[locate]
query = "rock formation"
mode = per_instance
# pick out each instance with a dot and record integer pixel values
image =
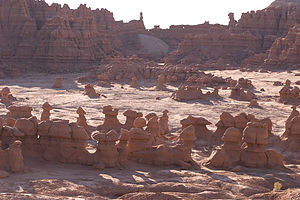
(11, 158)
(140, 139)
(111, 121)
(130, 117)
(178, 153)
(58, 39)
(122, 147)
(289, 95)
(107, 154)
(64, 142)
(15, 157)
(58, 83)
(291, 137)
(46, 111)
(255, 136)
(90, 91)
(240, 94)
(239, 121)
(164, 123)
(232, 21)
(81, 120)
(251, 154)
(254, 104)
(187, 93)
(19, 111)
(6, 96)
(161, 82)
(285, 51)
(199, 124)
(133, 82)
(229, 154)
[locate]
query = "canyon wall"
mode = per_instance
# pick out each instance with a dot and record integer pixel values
(54, 37)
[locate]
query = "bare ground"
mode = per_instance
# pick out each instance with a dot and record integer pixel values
(44, 180)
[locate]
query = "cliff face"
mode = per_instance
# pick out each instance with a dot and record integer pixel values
(217, 43)
(285, 51)
(55, 37)
(279, 3)
(252, 35)
(34, 35)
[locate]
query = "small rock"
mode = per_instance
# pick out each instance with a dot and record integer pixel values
(3, 174)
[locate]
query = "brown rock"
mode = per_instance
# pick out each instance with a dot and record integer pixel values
(58, 83)
(111, 121)
(46, 111)
(19, 112)
(90, 91)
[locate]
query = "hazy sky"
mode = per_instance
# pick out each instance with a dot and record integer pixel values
(168, 12)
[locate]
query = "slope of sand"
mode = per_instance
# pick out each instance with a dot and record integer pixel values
(45, 180)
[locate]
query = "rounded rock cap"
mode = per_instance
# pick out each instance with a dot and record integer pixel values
(47, 106)
(139, 122)
(232, 135)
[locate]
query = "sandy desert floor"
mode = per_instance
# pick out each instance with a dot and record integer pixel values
(44, 180)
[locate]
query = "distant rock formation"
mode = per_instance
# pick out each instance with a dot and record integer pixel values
(285, 51)
(279, 3)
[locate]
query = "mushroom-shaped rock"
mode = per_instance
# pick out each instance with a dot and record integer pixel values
(130, 117)
(111, 121)
(47, 106)
(200, 124)
(46, 111)
(107, 154)
(110, 136)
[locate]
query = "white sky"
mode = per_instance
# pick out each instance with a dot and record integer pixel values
(172, 12)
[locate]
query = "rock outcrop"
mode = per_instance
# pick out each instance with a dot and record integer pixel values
(90, 91)
(19, 111)
(251, 154)
(179, 153)
(81, 120)
(285, 51)
(55, 38)
(6, 96)
(291, 137)
(187, 93)
(58, 83)
(46, 111)
(289, 95)
(111, 121)
(11, 159)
